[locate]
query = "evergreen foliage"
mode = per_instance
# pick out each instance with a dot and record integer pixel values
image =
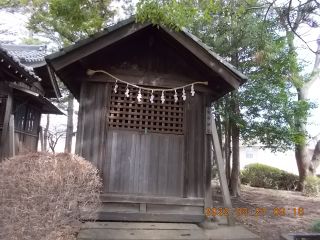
(264, 176)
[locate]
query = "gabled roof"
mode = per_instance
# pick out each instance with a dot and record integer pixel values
(209, 50)
(14, 60)
(24, 81)
(28, 71)
(30, 55)
(120, 24)
(222, 76)
(31, 59)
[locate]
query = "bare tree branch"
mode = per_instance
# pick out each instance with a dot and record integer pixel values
(296, 25)
(316, 68)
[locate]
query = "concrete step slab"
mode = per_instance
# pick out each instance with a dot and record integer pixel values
(231, 233)
(208, 225)
(124, 234)
(140, 226)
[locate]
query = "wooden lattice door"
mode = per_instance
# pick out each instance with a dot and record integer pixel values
(145, 145)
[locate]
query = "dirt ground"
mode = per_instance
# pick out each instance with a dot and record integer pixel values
(270, 226)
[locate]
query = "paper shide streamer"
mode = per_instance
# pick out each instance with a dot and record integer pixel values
(152, 90)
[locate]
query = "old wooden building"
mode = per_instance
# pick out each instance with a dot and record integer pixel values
(153, 156)
(25, 86)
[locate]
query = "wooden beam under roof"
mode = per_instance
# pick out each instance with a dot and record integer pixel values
(204, 56)
(95, 45)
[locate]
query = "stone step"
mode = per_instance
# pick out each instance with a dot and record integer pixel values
(231, 233)
(123, 234)
(160, 231)
(143, 231)
(140, 226)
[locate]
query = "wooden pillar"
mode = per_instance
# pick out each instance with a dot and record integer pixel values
(12, 152)
(207, 170)
(41, 139)
(221, 171)
(81, 120)
(5, 90)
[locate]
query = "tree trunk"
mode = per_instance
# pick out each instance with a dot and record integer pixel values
(315, 161)
(301, 150)
(69, 132)
(301, 154)
(235, 174)
(45, 135)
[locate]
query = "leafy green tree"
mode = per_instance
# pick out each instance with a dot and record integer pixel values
(33, 41)
(262, 110)
(9, 4)
(291, 18)
(265, 109)
(65, 22)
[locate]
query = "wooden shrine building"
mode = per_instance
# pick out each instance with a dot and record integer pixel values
(26, 83)
(154, 158)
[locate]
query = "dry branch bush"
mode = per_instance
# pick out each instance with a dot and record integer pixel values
(43, 195)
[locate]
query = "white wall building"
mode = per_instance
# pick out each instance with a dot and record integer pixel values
(285, 161)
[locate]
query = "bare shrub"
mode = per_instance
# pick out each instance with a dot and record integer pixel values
(43, 196)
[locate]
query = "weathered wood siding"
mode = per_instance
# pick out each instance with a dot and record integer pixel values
(148, 164)
(195, 145)
(25, 143)
(92, 134)
(149, 52)
(132, 162)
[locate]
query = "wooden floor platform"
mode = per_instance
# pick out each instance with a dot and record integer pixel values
(134, 208)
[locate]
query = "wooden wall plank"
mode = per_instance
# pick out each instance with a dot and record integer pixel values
(181, 166)
(95, 135)
(122, 159)
(89, 107)
(153, 177)
(117, 160)
(175, 168)
(113, 161)
(162, 166)
(127, 162)
(170, 170)
(147, 163)
(132, 162)
(142, 163)
(137, 165)
(107, 167)
(103, 133)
